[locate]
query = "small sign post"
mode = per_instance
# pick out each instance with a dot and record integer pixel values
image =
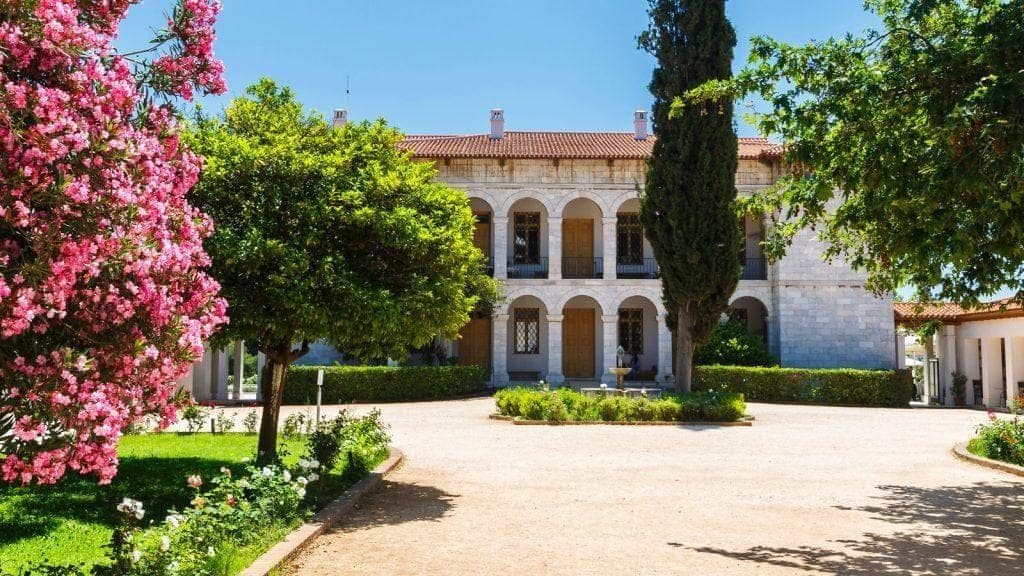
(319, 392)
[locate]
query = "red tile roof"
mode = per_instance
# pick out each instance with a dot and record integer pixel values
(916, 312)
(568, 145)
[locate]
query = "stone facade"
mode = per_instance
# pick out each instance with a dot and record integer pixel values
(811, 313)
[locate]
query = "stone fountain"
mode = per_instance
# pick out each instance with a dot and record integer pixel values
(619, 370)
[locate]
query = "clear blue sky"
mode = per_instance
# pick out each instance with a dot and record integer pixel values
(438, 67)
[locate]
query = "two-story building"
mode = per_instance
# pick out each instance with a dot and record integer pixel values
(557, 216)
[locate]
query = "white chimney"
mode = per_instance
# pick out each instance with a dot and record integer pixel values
(340, 117)
(497, 124)
(640, 124)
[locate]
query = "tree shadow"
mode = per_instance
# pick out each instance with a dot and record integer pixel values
(397, 503)
(973, 529)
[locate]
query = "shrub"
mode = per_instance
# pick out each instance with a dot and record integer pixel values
(566, 405)
(1000, 439)
(344, 384)
(729, 344)
(888, 388)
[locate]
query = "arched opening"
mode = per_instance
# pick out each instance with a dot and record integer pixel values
(752, 261)
(638, 337)
(528, 239)
(751, 313)
(527, 339)
(634, 257)
(582, 239)
(582, 340)
(483, 230)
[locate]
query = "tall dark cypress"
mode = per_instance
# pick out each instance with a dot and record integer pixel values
(688, 207)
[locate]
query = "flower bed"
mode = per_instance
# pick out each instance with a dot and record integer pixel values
(194, 504)
(841, 387)
(1001, 438)
(568, 406)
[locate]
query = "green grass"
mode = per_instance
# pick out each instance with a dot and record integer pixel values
(72, 521)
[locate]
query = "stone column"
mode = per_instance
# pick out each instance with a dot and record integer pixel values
(610, 238)
(201, 376)
(219, 375)
(947, 362)
(769, 329)
(500, 247)
(665, 374)
(1011, 370)
(991, 371)
(554, 376)
(499, 350)
(236, 391)
(555, 252)
(611, 347)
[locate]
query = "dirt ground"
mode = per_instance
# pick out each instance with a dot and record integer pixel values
(806, 490)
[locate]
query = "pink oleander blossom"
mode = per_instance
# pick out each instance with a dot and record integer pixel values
(104, 298)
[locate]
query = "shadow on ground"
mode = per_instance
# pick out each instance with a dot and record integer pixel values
(974, 529)
(397, 503)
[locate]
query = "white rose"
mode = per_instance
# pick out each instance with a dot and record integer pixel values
(165, 543)
(287, 476)
(211, 552)
(136, 556)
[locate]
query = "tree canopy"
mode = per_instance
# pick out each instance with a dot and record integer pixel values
(688, 206)
(905, 144)
(330, 234)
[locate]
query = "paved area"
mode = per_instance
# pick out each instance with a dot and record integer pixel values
(806, 490)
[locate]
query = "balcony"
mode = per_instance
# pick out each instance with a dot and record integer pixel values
(580, 268)
(639, 269)
(753, 268)
(528, 268)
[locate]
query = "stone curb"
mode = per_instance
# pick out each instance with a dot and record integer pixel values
(328, 516)
(960, 451)
(748, 421)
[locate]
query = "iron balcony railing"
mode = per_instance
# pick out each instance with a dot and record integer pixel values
(637, 269)
(754, 268)
(528, 268)
(578, 268)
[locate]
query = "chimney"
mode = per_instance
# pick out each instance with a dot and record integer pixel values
(340, 117)
(497, 124)
(640, 124)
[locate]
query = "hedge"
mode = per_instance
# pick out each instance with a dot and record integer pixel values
(842, 387)
(343, 384)
(565, 405)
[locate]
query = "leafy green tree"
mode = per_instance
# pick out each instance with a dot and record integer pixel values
(688, 208)
(919, 126)
(729, 344)
(329, 234)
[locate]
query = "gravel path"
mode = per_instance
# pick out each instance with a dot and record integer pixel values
(806, 490)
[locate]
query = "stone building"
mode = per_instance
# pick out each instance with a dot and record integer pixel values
(557, 216)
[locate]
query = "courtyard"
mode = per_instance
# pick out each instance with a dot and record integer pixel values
(810, 490)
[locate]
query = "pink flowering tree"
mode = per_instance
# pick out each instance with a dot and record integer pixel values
(104, 302)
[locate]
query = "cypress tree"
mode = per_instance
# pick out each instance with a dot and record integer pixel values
(688, 206)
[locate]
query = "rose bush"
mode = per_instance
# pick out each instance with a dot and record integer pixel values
(104, 301)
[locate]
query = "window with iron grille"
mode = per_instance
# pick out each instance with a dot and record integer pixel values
(629, 239)
(527, 330)
(527, 238)
(631, 330)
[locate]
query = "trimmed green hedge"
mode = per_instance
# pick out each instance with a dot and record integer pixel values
(565, 405)
(843, 387)
(343, 384)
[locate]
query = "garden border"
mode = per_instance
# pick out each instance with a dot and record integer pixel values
(746, 421)
(297, 540)
(960, 451)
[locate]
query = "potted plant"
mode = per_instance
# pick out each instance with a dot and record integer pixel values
(959, 389)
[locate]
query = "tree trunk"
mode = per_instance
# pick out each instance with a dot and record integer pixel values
(273, 389)
(684, 350)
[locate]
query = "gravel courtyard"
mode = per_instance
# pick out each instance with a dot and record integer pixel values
(806, 490)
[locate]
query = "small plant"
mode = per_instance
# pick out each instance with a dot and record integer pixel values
(325, 441)
(959, 388)
(224, 421)
(194, 417)
(251, 421)
(296, 425)
(1000, 439)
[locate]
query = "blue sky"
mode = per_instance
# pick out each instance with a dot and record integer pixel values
(438, 67)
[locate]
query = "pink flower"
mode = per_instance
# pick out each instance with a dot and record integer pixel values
(195, 481)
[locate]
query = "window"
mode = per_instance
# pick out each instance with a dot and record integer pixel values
(527, 330)
(631, 330)
(527, 238)
(629, 239)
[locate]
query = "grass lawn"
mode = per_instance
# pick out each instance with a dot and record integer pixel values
(71, 522)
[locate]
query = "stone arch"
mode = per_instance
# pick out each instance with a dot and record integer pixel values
(616, 205)
(492, 205)
(623, 295)
(543, 199)
(511, 296)
(564, 201)
(602, 302)
(753, 312)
